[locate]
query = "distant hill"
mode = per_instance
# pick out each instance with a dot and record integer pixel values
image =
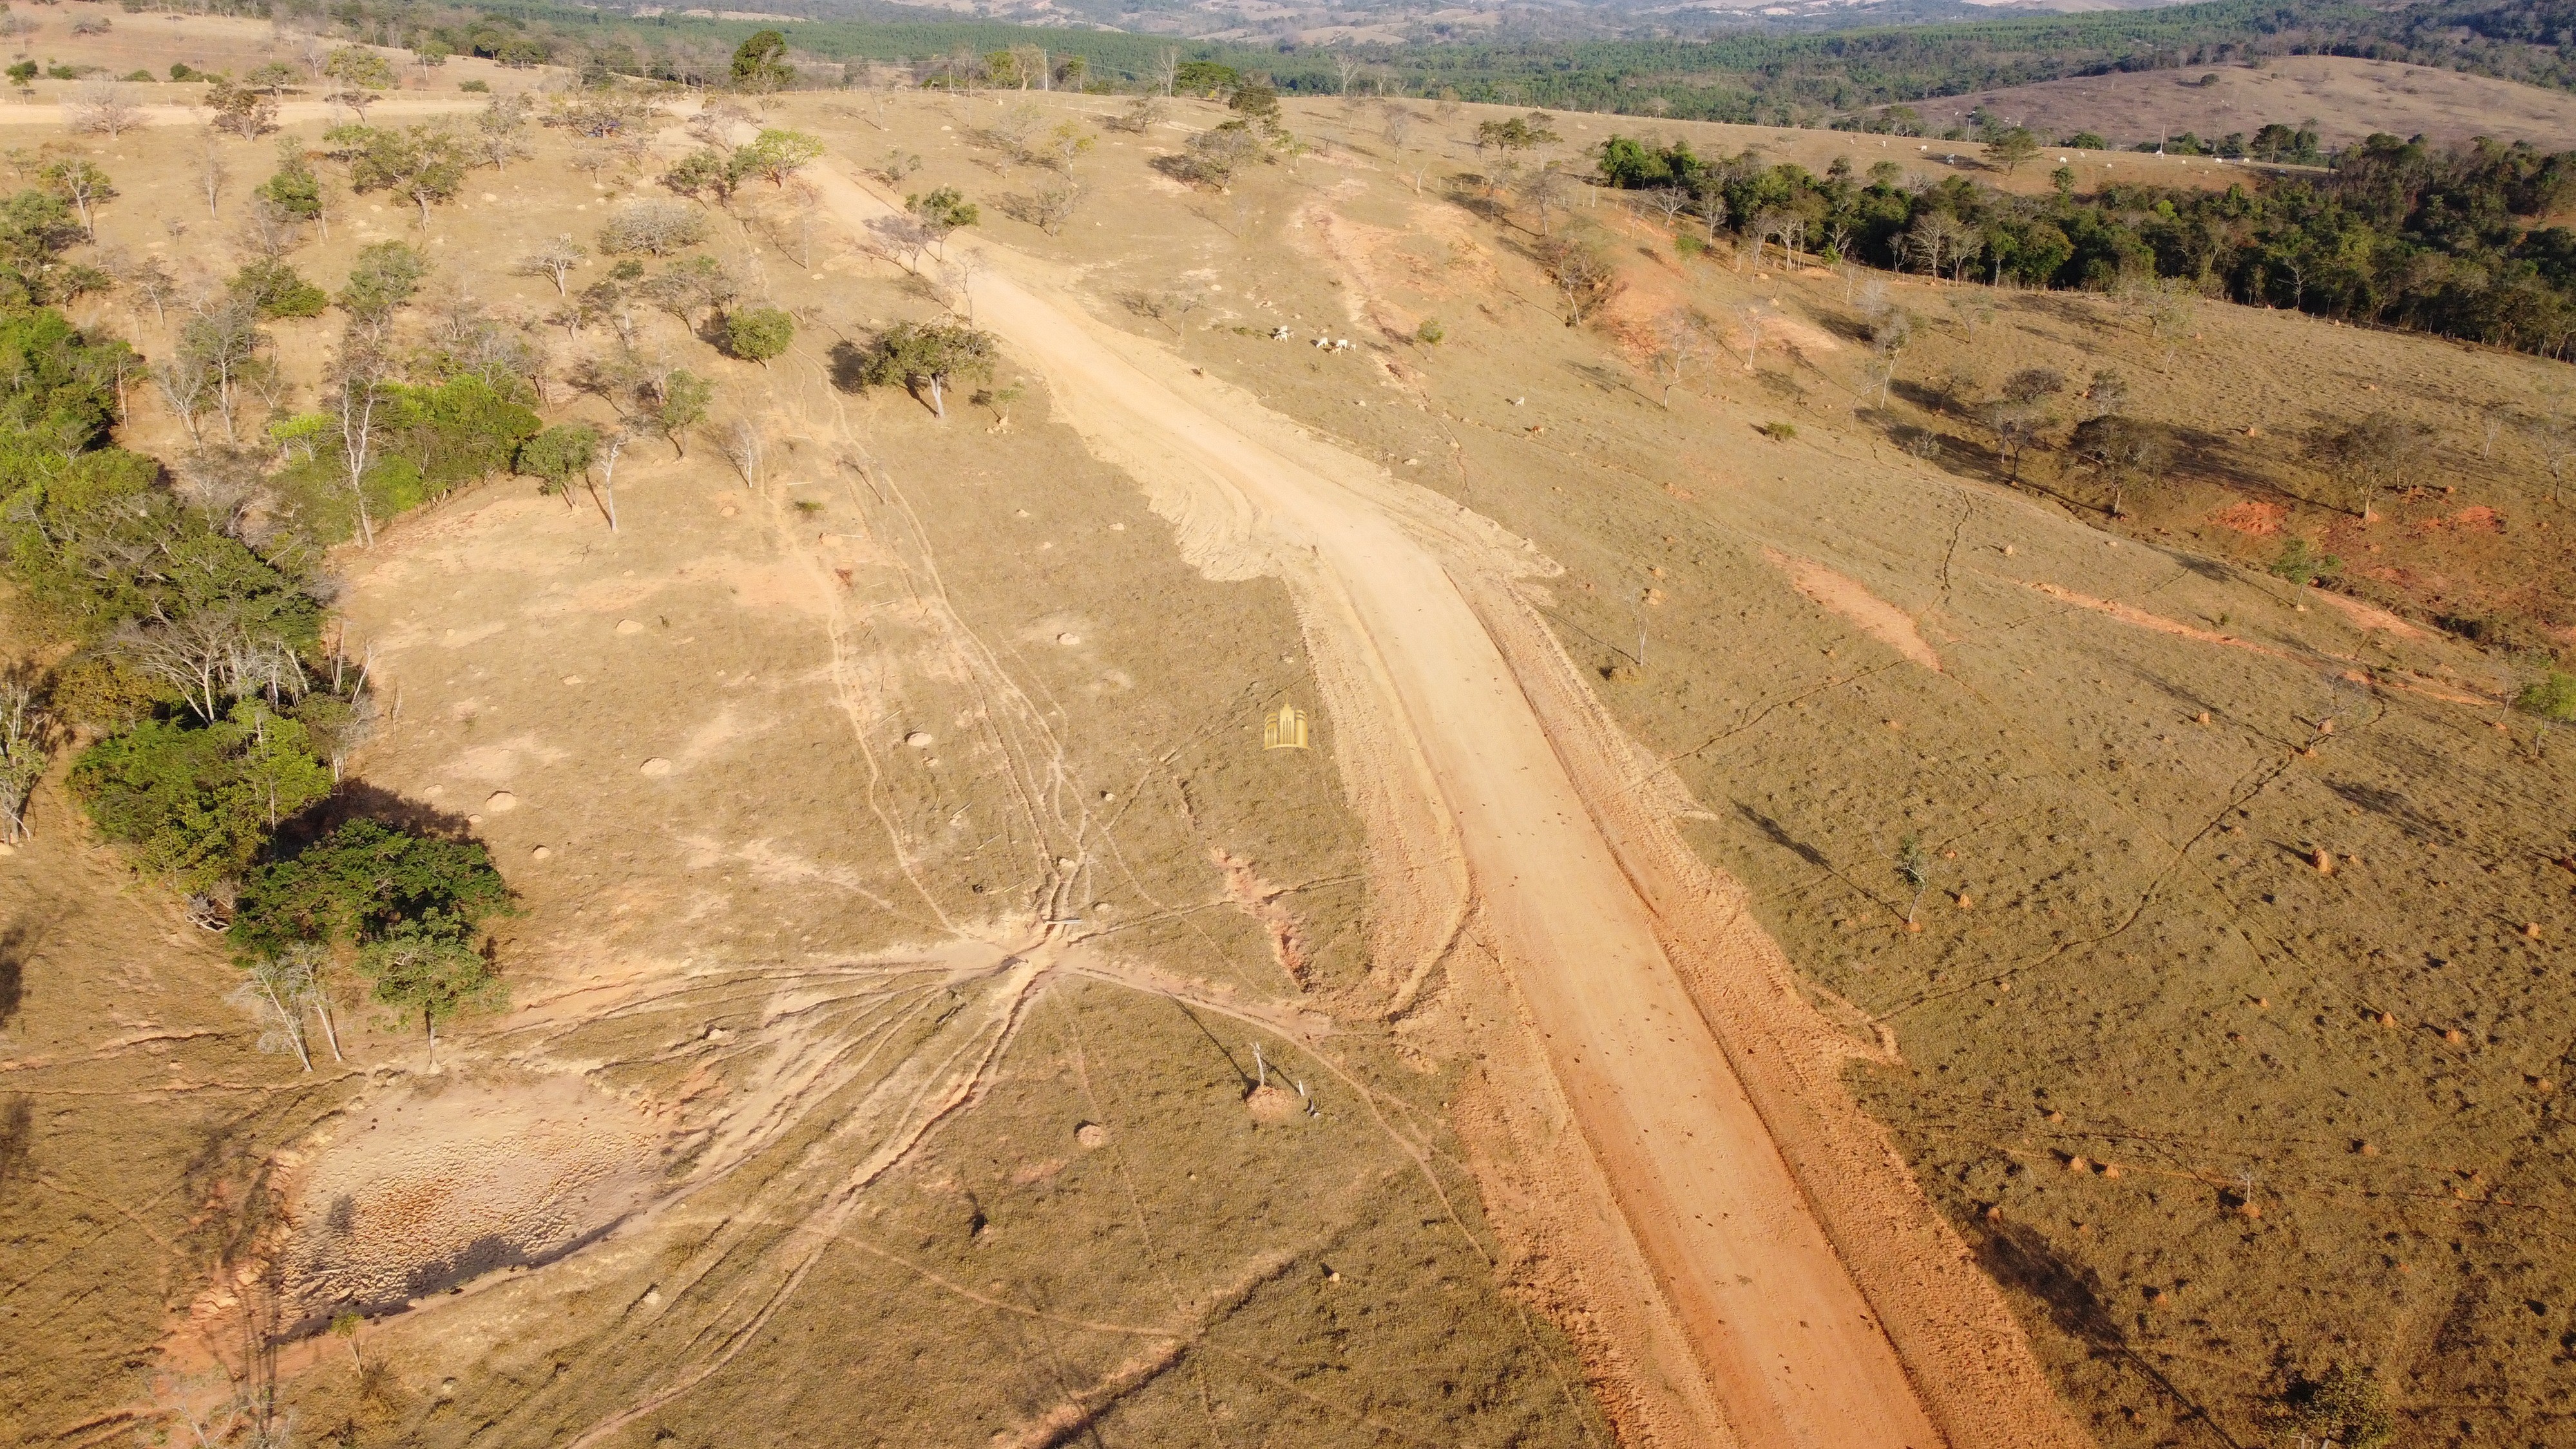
(2346, 99)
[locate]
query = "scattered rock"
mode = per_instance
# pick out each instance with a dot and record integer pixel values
(2531, 930)
(2323, 860)
(657, 767)
(1068, 638)
(542, 852)
(727, 511)
(1091, 1135)
(1967, 902)
(2111, 1169)
(2078, 1164)
(2454, 1036)
(501, 800)
(572, 679)
(2368, 1149)
(919, 739)
(629, 626)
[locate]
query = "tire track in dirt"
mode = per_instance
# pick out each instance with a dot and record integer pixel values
(1821, 1298)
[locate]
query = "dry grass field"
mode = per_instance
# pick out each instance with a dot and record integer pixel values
(2346, 99)
(903, 891)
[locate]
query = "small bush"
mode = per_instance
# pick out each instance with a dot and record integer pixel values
(2553, 697)
(757, 334)
(1779, 432)
(145, 76)
(2345, 1405)
(278, 290)
(180, 70)
(1430, 333)
(474, 85)
(559, 455)
(2301, 564)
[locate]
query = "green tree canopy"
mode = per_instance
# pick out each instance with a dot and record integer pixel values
(385, 276)
(275, 289)
(914, 356)
(196, 804)
(421, 164)
(366, 882)
(759, 333)
(559, 454)
(760, 63)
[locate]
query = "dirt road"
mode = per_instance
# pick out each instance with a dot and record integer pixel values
(1786, 1339)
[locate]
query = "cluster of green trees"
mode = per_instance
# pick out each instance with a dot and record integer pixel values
(2445, 240)
(192, 662)
(192, 666)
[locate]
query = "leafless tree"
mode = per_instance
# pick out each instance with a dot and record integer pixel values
(181, 377)
(274, 996)
(1672, 201)
(744, 448)
(804, 206)
(1547, 191)
(2127, 451)
(2556, 437)
(1888, 339)
(102, 106)
(209, 655)
(26, 744)
(554, 261)
(1050, 206)
(1167, 65)
(268, 232)
(497, 128)
(1582, 273)
(1681, 342)
(612, 443)
(226, 341)
(1935, 237)
(1397, 125)
(358, 392)
(212, 170)
(1755, 315)
(2377, 454)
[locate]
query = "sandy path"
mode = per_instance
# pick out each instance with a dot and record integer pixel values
(1781, 1330)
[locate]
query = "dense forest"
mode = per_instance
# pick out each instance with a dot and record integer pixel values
(2446, 241)
(1756, 73)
